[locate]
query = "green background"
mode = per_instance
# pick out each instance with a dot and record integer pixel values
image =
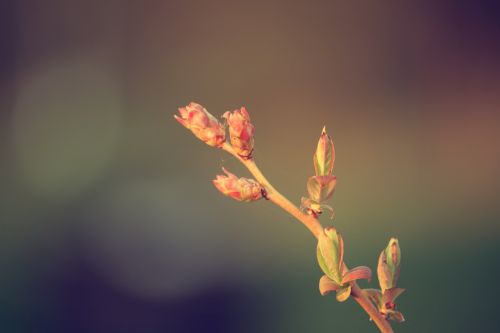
(109, 221)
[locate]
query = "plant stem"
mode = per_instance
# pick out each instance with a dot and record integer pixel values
(360, 297)
(316, 229)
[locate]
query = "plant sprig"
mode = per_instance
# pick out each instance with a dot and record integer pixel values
(378, 304)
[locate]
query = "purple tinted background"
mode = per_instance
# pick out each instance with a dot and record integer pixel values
(109, 220)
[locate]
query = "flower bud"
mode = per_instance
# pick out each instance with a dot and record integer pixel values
(203, 125)
(241, 189)
(324, 157)
(389, 265)
(393, 253)
(241, 131)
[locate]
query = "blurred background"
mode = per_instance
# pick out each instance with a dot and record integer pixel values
(109, 221)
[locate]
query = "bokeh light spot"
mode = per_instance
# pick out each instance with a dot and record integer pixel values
(66, 126)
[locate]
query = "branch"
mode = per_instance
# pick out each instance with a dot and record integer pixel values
(272, 194)
(315, 228)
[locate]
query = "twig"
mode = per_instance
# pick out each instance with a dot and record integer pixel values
(315, 228)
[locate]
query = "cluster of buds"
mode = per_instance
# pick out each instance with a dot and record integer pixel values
(241, 189)
(388, 275)
(241, 132)
(330, 254)
(321, 186)
(209, 130)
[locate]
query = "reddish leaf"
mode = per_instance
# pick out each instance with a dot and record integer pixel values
(327, 285)
(314, 188)
(327, 185)
(390, 295)
(375, 296)
(360, 272)
(395, 316)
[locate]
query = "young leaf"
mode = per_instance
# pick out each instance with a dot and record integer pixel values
(324, 156)
(329, 255)
(327, 285)
(360, 272)
(344, 293)
(390, 295)
(327, 185)
(314, 188)
(375, 296)
(395, 316)
(321, 188)
(338, 242)
(384, 272)
(393, 253)
(389, 265)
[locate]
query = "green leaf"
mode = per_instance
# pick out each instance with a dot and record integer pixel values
(344, 293)
(393, 253)
(338, 243)
(324, 156)
(322, 263)
(328, 257)
(384, 273)
(393, 260)
(321, 188)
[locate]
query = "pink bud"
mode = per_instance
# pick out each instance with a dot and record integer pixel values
(241, 189)
(241, 131)
(203, 125)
